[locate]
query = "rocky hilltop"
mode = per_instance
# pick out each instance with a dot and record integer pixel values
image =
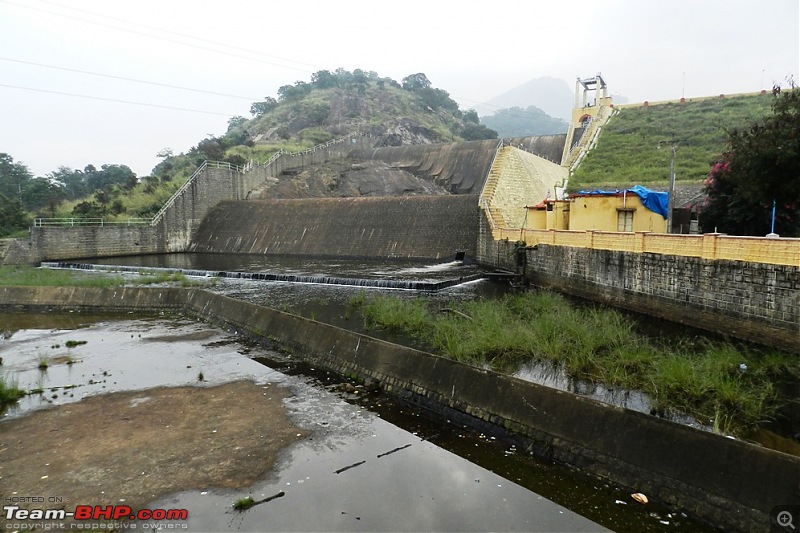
(344, 103)
(347, 178)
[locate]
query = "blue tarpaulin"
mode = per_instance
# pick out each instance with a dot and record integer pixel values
(655, 201)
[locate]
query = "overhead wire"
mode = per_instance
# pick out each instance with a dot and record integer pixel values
(32, 63)
(167, 39)
(152, 28)
(185, 35)
(115, 100)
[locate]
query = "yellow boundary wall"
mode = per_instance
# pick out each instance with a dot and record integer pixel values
(777, 251)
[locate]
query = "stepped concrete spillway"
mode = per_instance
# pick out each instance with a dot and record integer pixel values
(413, 227)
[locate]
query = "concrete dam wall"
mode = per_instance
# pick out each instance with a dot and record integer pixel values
(458, 168)
(413, 227)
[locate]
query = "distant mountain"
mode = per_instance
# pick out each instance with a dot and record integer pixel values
(519, 122)
(552, 95)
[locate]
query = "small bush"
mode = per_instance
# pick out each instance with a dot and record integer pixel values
(242, 504)
(9, 392)
(72, 344)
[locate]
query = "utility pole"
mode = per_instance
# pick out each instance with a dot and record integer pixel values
(671, 198)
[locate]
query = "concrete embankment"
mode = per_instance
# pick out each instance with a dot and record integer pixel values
(728, 483)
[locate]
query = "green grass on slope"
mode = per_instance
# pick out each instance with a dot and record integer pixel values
(627, 151)
(595, 344)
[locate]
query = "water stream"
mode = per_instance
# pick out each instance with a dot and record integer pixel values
(370, 464)
(322, 289)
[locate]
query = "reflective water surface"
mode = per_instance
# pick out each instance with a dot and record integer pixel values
(370, 464)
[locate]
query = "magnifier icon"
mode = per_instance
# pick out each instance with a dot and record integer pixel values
(785, 520)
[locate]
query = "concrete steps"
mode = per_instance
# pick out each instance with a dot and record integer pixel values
(490, 188)
(4, 244)
(585, 144)
(495, 173)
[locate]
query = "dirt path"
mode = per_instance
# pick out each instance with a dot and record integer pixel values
(134, 447)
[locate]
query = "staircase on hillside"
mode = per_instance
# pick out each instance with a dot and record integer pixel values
(4, 244)
(496, 217)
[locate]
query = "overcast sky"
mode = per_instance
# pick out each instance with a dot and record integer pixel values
(243, 50)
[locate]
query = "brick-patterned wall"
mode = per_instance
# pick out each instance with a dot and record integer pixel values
(753, 301)
(524, 179)
(184, 216)
(171, 234)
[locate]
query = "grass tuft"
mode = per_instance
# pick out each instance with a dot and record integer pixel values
(397, 314)
(242, 504)
(9, 392)
(72, 344)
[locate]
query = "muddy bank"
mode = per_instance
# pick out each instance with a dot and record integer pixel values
(134, 447)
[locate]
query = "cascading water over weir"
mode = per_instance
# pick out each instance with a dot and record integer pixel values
(399, 284)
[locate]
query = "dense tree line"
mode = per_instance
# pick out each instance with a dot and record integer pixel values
(21, 192)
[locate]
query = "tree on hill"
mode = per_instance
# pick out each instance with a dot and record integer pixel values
(415, 82)
(73, 182)
(761, 169)
(12, 216)
(259, 108)
(13, 176)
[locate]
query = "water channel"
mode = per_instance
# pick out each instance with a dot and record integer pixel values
(453, 477)
(368, 463)
(330, 302)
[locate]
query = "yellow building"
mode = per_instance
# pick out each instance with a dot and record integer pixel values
(635, 209)
(619, 211)
(548, 214)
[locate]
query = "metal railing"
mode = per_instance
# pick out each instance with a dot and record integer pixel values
(177, 193)
(280, 153)
(247, 167)
(73, 222)
(484, 201)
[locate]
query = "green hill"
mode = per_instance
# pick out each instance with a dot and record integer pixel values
(333, 104)
(628, 152)
(345, 103)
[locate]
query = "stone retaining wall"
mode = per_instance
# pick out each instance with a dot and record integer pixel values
(757, 302)
(729, 483)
